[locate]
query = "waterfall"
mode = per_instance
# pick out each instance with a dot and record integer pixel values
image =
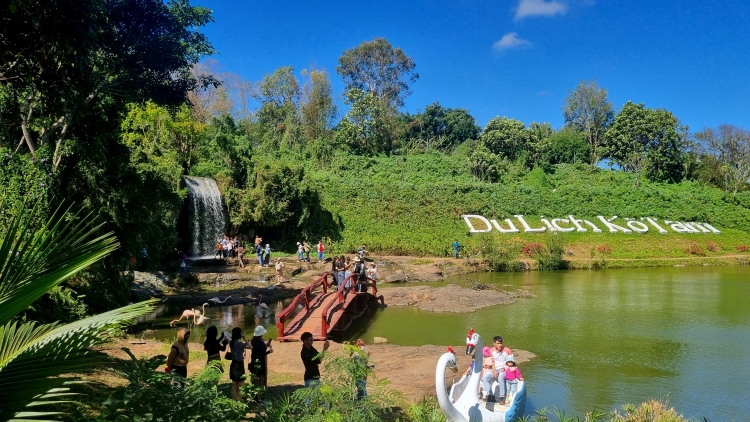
(206, 215)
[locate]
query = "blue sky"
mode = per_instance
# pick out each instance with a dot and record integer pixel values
(515, 58)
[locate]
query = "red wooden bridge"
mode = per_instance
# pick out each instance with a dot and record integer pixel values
(326, 310)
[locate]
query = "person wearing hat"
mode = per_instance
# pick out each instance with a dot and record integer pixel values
(489, 373)
(258, 366)
(267, 255)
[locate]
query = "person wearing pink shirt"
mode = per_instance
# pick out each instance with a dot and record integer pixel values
(512, 376)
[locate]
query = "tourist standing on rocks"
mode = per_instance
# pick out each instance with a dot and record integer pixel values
(230, 248)
(501, 354)
(179, 354)
(456, 247)
(279, 271)
(300, 252)
(306, 247)
(321, 248)
(372, 273)
(240, 254)
(225, 247)
(213, 346)
(310, 359)
(361, 251)
(237, 367)
(219, 252)
(258, 366)
(144, 259)
(267, 255)
(259, 251)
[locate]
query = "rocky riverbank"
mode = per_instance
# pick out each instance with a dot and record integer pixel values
(214, 278)
(450, 298)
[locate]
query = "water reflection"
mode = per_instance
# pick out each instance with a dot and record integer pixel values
(156, 326)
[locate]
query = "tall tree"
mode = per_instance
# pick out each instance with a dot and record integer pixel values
(438, 127)
(364, 127)
(505, 137)
(376, 67)
(587, 109)
(643, 139)
(730, 148)
(58, 58)
(279, 95)
(317, 108)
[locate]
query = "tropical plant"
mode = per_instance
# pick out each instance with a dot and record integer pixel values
(36, 256)
(334, 399)
(157, 396)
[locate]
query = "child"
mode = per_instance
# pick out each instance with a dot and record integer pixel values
(489, 373)
(512, 376)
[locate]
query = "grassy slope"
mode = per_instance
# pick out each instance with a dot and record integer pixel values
(412, 205)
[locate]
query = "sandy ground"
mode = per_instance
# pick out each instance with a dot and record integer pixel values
(410, 369)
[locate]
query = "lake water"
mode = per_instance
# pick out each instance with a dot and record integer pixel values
(602, 338)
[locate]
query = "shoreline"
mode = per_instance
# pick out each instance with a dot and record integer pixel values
(243, 284)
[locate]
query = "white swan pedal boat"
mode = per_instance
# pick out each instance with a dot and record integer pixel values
(462, 403)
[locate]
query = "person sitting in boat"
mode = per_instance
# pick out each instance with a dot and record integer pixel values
(489, 373)
(501, 354)
(512, 376)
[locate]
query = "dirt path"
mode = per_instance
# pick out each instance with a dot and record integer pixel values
(410, 369)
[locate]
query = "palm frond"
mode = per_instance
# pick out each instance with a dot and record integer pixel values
(47, 351)
(34, 257)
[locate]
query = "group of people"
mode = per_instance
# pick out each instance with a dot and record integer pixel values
(229, 247)
(236, 347)
(342, 267)
(236, 342)
(498, 364)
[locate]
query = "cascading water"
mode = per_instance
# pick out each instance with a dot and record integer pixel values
(206, 215)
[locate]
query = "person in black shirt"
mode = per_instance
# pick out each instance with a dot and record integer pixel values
(308, 354)
(213, 346)
(258, 365)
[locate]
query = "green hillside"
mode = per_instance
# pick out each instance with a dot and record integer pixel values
(412, 205)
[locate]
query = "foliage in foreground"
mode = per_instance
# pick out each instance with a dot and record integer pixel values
(156, 396)
(35, 257)
(650, 411)
(335, 398)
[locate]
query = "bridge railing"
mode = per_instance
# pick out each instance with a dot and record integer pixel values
(304, 296)
(341, 294)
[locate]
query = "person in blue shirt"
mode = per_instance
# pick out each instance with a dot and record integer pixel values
(456, 246)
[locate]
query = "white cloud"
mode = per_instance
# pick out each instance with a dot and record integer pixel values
(528, 8)
(510, 40)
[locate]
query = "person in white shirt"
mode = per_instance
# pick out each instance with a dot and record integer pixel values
(501, 354)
